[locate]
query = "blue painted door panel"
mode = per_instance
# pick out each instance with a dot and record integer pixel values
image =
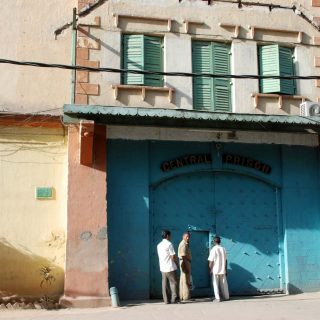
(199, 245)
(242, 210)
(183, 204)
(247, 220)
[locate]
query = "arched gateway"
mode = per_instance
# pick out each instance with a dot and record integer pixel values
(242, 209)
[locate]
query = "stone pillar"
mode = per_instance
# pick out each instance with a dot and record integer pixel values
(86, 274)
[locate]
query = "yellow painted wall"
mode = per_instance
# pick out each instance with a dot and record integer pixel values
(32, 232)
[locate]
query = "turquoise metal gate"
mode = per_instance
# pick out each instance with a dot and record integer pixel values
(241, 209)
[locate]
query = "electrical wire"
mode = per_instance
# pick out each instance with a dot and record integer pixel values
(147, 72)
(8, 115)
(240, 3)
(30, 118)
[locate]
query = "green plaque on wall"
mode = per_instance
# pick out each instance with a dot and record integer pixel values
(44, 193)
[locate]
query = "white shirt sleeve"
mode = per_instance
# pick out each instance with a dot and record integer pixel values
(210, 258)
(171, 250)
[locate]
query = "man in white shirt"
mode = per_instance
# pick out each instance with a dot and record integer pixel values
(168, 267)
(218, 267)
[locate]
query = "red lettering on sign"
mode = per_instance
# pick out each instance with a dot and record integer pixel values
(236, 160)
(184, 161)
(193, 159)
(266, 169)
(206, 160)
(165, 166)
(172, 164)
(246, 162)
(200, 159)
(250, 163)
(179, 163)
(257, 165)
(228, 158)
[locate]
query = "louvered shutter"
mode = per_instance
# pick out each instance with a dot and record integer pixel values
(276, 61)
(202, 86)
(221, 87)
(132, 53)
(153, 57)
(286, 69)
(269, 66)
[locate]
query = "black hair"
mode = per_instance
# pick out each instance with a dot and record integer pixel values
(165, 234)
(217, 239)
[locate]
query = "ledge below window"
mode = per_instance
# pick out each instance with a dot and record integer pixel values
(253, 29)
(280, 98)
(236, 28)
(187, 24)
(168, 21)
(142, 90)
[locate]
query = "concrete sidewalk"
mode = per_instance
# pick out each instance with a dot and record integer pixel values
(277, 307)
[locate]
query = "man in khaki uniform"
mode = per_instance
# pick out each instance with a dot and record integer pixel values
(184, 255)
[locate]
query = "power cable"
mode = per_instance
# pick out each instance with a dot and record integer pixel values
(146, 72)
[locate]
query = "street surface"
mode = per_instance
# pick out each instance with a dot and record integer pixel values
(277, 307)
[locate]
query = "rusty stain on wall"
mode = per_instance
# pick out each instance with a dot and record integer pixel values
(86, 235)
(102, 234)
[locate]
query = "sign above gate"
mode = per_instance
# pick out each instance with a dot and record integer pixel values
(186, 161)
(246, 162)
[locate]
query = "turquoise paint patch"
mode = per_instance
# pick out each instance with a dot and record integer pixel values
(134, 166)
(44, 193)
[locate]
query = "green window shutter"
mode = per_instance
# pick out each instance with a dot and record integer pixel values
(202, 86)
(153, 60)
(276, 61)
(269, 66)
(286, 69)
(221, 87)
(132, 58)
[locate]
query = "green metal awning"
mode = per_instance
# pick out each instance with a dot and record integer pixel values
(178, 118)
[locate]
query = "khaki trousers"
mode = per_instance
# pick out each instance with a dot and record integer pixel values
(185, 284)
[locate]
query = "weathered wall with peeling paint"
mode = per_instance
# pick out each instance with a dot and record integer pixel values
(104, 48)
(86, 274)
(28, 35)
(32, 231)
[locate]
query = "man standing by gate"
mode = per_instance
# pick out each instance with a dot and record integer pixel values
(218, 268)
(184, 254)
(168, 267)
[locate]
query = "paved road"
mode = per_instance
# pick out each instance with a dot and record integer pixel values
(278, 307)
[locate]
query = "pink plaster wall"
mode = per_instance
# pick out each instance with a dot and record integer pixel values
(87, 256)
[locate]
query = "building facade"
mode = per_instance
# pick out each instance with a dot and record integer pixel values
(33, 150)
(173, 147)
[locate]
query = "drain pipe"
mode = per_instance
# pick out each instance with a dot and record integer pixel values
(74, 54)
(114, 297)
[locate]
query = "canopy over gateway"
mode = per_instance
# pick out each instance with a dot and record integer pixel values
(179, 118)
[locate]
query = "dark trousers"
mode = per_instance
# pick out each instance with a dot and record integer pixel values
(169, 294)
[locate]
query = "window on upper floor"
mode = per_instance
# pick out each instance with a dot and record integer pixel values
(275, 60)
(211, 94)
(140, 52)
